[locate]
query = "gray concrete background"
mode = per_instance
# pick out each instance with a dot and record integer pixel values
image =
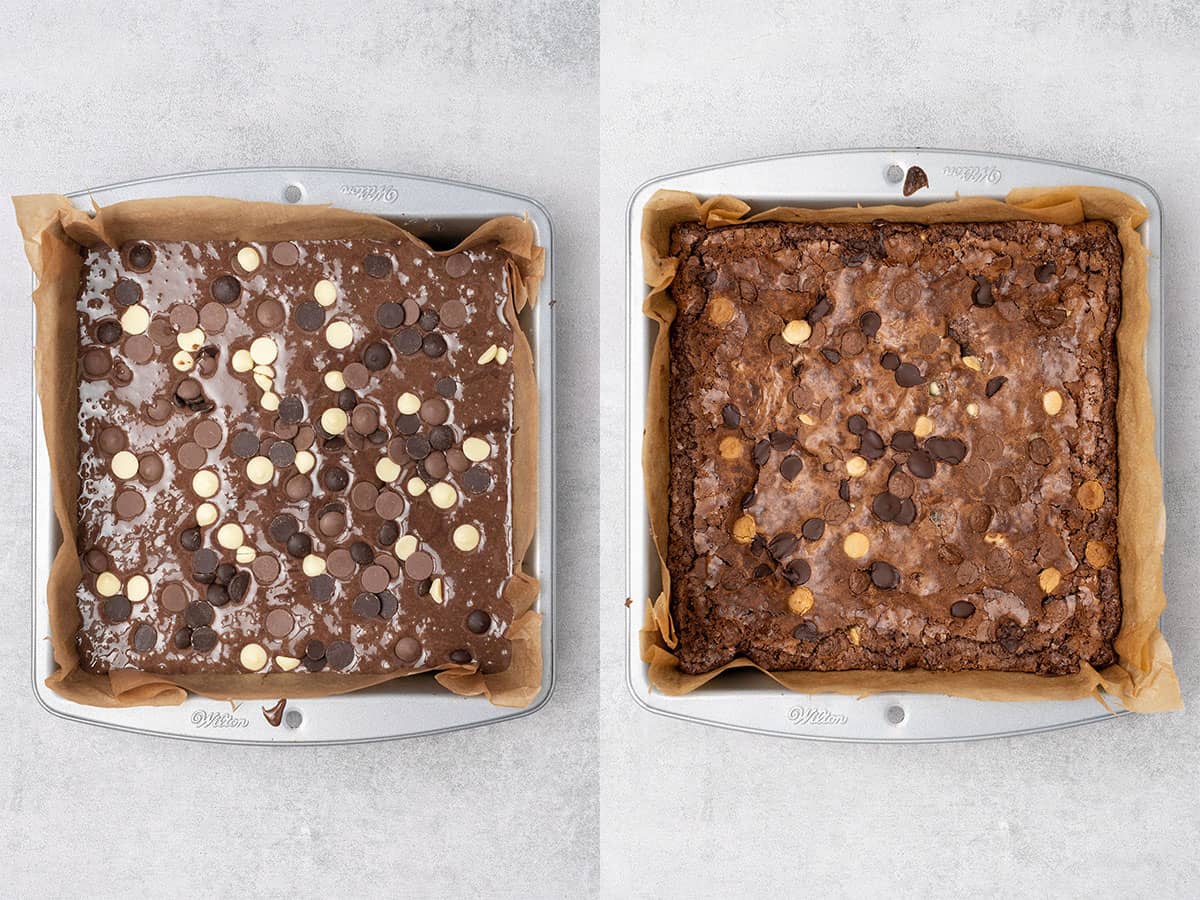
(577, 105)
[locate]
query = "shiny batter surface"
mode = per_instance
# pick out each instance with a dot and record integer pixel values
(894, 446)
(294, 456)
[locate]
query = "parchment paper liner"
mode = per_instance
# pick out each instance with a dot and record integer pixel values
(54, 230)
(1143, 678)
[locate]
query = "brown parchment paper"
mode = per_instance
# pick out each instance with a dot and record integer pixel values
(54, 231)
(1143, 678)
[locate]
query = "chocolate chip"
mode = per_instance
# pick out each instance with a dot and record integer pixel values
(870, 444)
(781, 440)
(477, 480)
(844, 489)
(806, 631)
(731, 416)
(907, 513)
(856, 424)
(782, 546)
(921, 464)
(182, 638)
(831, 355)
(141, 256)
(790, 467)
(796, 571)
(761, 452)
(117, 608)
(127, 292)
(962, 609)
(950, 450)
(407, 342)
(884, 576)
(315, 650)
(890, 361)
(190, 539)
(226, 289)
(904, 441)
(320, 588)
(216, 595)
(981, 294)
(225, 573)
(914, 180)
(335, 478)
(388, 604)
(376, 356)
(408, 649)
(310, 316)
(461, 656)
(886, 506)
(441, 437)
(297, 487)
(761, 571)
(299, 545)
(446, 387)
(366, 605)
(433, 345)
(819, 311)
(291, 409)
(204, 639)
(429, 320)
(1045, 272)
(238, 585)
(869, 323)
(204, 561)
(389, 533)
(908, 375)
(108, 332)
(478, 621)
(282, 454)
(390, 315)
(198, 613)
(377, 265)
(282, 527)
(813, 529)
(1040, 452)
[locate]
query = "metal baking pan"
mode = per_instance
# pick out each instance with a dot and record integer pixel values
(442, 213)
(747, 700)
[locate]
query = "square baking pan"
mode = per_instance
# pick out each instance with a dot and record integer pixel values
(745, 699)
(441, 213)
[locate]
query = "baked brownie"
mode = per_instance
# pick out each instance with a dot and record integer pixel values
(294, 456)
(894, 446)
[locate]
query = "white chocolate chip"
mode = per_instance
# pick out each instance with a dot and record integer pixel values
(135, 320)
(386, 470)
(287, 663)
(183, 361)
(488, 355)
(206, 483)
(406, 546)
(107, 584)
(260, 470)
(334, 380)
(269, 371)
(242, 361)
(415, 486)
(973, 410)
(264, 382)
(1052, 403)
(263, 351)
(973, 363)
(935, 389)
(206, 514)
(435, 591)
(269, 401)
(1049, 579)
(476, 449)
(443, 495)
(466, 538)
(313, 565)
(253, 657)
(923, 427)
(305, 462)
(124, 465)
(408, 404)
(501, 356)
(325, 292)
(248, 259)
(856, 467)
(339, 335)
(245, 554)
(807, 419)
(334, 420)
(190, 341)
(856, 545)
(230, 536)
(796, 332)
(137, 588)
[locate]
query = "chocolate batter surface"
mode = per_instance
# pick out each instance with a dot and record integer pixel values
(294, 456)
(894, 446)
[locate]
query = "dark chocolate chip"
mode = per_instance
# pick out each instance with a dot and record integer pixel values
(366, 605)
(731, 416)
(844, 489)
(921, 464)
(389, 533)
(291, 409)
(761, 571)
(870, 444)
(907, 513)
(408, 423)
(315, 650)
(340, 654)
(819, 311)
(446, 387)
(108, 332)
(204, 639)
(282, 527)
(117, 608)
(238, 585)
(417, 446)
(790, 467)
(886, 506)
(761, 453)
(321, 587)
(141, 256)
(904, 441)
(361, 553)
(478, 621)
(796, 571)
(204, 561)
(782, 546)
(407, 342)
(1045, 272)
(813, 529)
(244, 444)
(994, 385)
(433, 345)
(831, 355)
(962, 609)
(477, 480)
(190, 539)
(781, 440)
(884, 576)
(1040, 452)
(376, 356)
(198, 613)
(216, 595)
(981, 294)
(908, 375)
(226, 289)
(441, 437)
(377, 265)
(390, 315)
(869, 323)
(950, 450)
(856, 424)
(127, 292)
(388, 604)
(429, 320)
(806, 631)
(461, 656)
(310, 316)
(335, 478)
(225, 573)
(282, 454)
(914, 180)
(299, 545)
(183, 638)
(890, 361)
